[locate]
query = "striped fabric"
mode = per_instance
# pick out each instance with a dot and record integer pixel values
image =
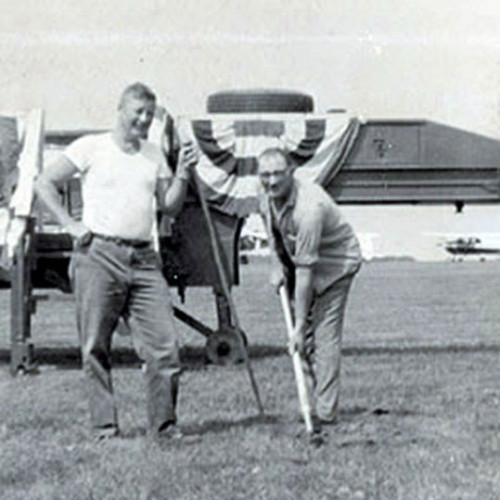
(230, 144)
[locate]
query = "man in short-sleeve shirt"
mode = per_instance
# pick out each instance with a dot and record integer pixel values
(320, 254)
(115, 269)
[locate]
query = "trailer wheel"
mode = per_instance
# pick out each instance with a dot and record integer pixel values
(223, 347)
(260, 101)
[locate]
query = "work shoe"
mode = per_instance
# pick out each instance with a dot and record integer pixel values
(101, 434)
(173, 435)
(319, 423)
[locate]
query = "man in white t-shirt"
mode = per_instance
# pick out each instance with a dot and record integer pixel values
(115, 269)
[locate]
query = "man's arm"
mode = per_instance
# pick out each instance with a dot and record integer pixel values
(306, 256)
(47, 189)
(277, 276)
(303, 296)
(171, 194)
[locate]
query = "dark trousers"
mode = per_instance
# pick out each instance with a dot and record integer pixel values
(112, 280)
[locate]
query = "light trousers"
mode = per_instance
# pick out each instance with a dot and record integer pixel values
(112, 280)
(323, 348)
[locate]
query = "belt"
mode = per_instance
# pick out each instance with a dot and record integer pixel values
(123, 241)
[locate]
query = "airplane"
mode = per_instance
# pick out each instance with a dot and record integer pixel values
(460, 245)
(471, 245)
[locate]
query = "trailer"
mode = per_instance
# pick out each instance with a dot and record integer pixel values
(366, 162)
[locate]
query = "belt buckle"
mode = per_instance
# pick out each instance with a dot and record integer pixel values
(138, 244)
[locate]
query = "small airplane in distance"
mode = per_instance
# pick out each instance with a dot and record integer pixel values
(480, 245)
(471, 245)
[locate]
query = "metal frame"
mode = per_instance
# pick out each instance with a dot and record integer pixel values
(22, 306)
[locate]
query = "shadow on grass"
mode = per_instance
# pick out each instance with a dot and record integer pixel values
(223, 425)
(195, 358)
(280, 423)
(367, 350)
(69, 357)
(211, 426)
(192, 357)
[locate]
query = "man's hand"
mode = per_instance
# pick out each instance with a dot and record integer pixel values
(172, 195)
(298, 345)
(277, 279)
(188, 158)
(79, 232)
(160, 112)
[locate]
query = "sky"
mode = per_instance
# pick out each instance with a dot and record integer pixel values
(424, 59)
(437, 60)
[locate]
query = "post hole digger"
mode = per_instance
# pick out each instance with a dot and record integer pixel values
(222, 274)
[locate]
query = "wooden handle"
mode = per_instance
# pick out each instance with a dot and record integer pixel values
(297, 362)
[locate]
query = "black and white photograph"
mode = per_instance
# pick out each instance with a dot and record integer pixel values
(250, 250)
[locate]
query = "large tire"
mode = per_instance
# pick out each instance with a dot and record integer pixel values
(260, 101)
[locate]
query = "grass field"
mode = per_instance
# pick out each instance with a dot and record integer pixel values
(420, 402)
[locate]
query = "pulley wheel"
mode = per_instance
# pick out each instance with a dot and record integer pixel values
(223, 347)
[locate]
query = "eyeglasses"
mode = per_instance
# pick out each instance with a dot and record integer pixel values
(280, 174)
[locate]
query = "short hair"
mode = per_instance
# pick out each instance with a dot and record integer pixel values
(276, 152)
(137, 90)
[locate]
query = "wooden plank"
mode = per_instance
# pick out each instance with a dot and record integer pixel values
(30, 164)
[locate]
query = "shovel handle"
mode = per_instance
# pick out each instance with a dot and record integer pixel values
(300, 381)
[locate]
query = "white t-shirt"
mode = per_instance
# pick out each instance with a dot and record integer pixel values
(118, 188)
